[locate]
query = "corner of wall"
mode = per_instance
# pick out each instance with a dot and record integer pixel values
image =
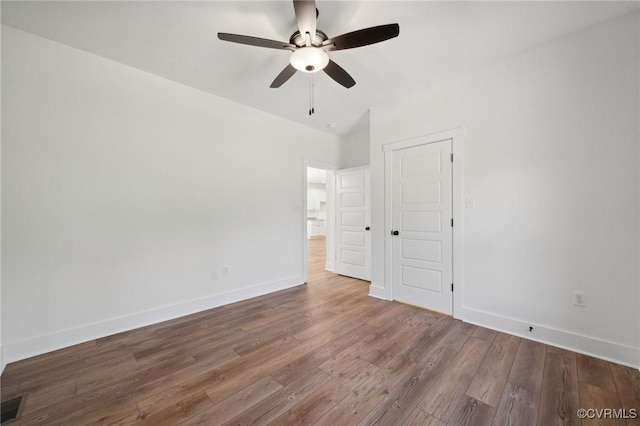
(355, 144)
(378, 292)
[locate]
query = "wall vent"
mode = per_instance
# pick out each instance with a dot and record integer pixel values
(11, 409)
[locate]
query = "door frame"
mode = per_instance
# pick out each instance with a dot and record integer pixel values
(456, 137)
(330, 219)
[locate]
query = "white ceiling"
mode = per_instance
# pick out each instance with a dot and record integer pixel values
(177, 40)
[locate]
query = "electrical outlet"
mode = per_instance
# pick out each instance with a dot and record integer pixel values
(225, 270)
(579, 299)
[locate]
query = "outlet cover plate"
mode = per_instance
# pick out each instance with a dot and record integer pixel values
(579, 299)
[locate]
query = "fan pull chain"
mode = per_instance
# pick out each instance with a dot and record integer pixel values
(310, 77)
(312, 109)
(313, 95)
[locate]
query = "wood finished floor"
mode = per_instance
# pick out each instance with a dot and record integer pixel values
(325, 354)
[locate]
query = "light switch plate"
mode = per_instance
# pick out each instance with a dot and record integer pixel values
(470, 202)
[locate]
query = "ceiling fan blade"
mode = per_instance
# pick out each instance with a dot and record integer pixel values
(363, 37)
(256, 41)
(284, 75)
(306, 17)
(338, 73)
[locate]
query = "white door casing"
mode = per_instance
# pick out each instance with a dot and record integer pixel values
(422, 216)
(353, 212)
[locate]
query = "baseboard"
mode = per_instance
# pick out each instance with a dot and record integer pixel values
(614, 352)
(378, 292)
(329, 267)
(18, 350)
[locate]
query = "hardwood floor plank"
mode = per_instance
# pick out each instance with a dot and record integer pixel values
(472, 412)
(351, 409)
(340, 361)
(485, 334)
(597, 398)
(431, 353)
(50, 360)
(528, 366)
(559, 400)
(178, 411)
(345, 358)
(237, 403)
(130, 374)
(126, 416)
(444, 396)
(627, 382)
(76, 368)
(520, 398)
(161, 393)
(311, 408)
(414, 343)
(420, 418)
(279, 402)
(400, 402)
(328, 324)
(116, 393)
(455, 338)
(517, 407)
(47, 394)
(238, 375)
(596, 372)
(392, 314)
(312, 360)
(488, 383)
(259, 338)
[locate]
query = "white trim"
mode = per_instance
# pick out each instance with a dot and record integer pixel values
(22, 349)
(330, 221)
(424, 139)
(456, 136)
(378, 292)
(608, 351)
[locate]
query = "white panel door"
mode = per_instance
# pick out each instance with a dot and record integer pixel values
(353, 238)
(422, 235)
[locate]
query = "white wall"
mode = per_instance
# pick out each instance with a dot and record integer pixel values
(2, 358)
(354, 146)
(551, 156)
(125, 194)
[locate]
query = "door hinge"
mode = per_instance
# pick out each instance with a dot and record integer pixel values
(452, 222)
(452, 157)
(451, 286)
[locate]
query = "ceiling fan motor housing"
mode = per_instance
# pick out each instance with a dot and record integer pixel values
(297, 39)
(309, 59)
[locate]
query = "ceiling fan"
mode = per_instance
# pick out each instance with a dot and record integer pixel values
(309, 46)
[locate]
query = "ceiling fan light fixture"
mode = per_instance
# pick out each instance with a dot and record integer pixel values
(309, 59)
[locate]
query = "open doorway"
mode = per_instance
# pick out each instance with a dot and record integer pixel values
(319, 223)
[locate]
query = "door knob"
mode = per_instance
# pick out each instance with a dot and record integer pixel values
(367, 228)
(395, 233)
